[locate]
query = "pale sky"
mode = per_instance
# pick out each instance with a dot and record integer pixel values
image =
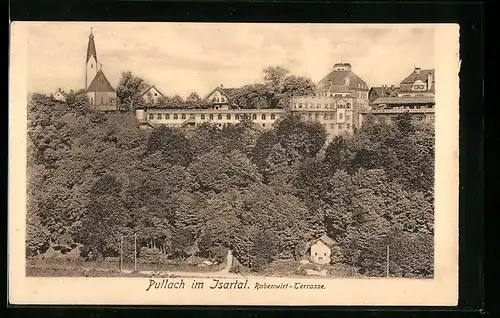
(180, 58)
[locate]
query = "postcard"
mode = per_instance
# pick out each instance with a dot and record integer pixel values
(266, 164)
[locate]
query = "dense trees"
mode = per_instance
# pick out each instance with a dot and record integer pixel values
(95, 178)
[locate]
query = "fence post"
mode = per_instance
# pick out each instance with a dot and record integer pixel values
(387, 268)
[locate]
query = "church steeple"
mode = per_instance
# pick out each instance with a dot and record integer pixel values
(91, 51)
(91, 61)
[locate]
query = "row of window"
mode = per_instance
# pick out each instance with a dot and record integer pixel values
(327, 106)
(329, 116)
(332, 95)
(211, 116)
(338, 126)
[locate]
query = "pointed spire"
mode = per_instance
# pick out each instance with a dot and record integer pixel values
(91, 51)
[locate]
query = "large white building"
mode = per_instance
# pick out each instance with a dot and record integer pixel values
(339, 100)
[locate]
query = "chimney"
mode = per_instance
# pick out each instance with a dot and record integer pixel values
(417, 70)
(429, 81)
(221, 86)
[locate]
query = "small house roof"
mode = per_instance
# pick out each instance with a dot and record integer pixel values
(324, 238)
(225, 91)
(144, 92)
(100, 84)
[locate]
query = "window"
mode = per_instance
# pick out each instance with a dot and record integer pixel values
(211, 117)
(348, 117)
(176, 116)
(325, 116)
(191, 116)
(315, 254)
(316, 116)
(340, 126)
(91, 100)
(228, 116)
(332, 116)
(156, 94)
(309, 115)
(300, 105)
(263, 116)
(202, 116)
(340, 116)
(159, 116)
(151, 116)
(91, 65)
(102, 100)
(324, 254)
(348, 105)
(348, 126)
(183, 116)
(263, 125)
(318, 105)
(254, 116)
(273, 116)
(219, 117)
(167, 116)
(327, 105)
(432, 119)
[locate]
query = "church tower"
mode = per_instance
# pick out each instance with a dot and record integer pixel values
(91, 61)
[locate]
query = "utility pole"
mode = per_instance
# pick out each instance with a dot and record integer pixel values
(135, 251)
(121, 255)
(387, 269)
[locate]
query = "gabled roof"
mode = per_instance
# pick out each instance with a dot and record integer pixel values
(100, 84)
(325, 239)
(144, 92)
(422, 75)
(225, 91)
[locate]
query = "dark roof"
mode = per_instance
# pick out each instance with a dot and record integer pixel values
(149, 88)
(404, 100)
(337, 78)
(229, 91)
(226, 91)
(91, 51)
(324, 238)
(100, 84)
(385, 91)
(422, 75)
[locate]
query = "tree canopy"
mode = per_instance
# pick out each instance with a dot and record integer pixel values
(94, 178)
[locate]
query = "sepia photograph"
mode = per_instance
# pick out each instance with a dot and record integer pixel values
(241, 163)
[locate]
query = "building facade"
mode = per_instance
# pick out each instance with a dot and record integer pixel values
(151, 117)
(416, 96)
(59, 96)
(101, 94)
(340, 97)
(221, 98)
(151, 95)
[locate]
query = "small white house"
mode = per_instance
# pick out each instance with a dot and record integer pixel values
(151, 94)
(59, 96)
(320, 250)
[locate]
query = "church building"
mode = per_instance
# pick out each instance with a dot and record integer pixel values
(101, 94)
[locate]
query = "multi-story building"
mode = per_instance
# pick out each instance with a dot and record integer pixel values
(340, 97)
(416, 95)
(151, 117)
